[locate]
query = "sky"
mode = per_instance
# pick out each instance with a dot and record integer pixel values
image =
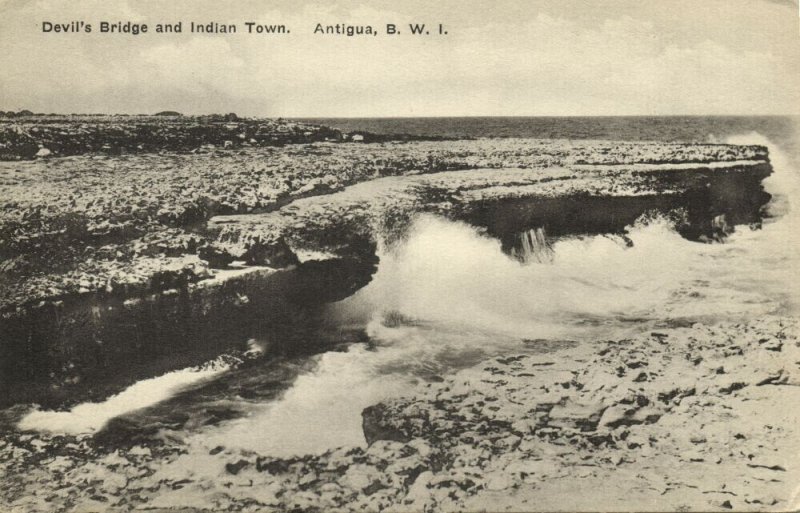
(501, 57)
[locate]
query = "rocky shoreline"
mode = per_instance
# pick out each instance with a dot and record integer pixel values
(683, 419)
(81, 224)
(38, 136)
(90, 243)
(26, 136)
(119, 266)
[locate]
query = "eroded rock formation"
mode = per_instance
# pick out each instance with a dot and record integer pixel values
(100, 252)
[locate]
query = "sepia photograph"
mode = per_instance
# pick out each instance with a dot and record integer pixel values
(414, 257)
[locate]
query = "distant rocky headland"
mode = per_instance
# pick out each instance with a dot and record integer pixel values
(26, 135)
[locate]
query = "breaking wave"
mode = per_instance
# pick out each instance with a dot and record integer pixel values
(89, 417)
(448, 297)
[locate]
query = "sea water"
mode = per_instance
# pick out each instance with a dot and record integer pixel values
(448, 297)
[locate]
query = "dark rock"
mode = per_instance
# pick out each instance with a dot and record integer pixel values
(373, 487)
(776, 468)
(737, 385)
(235, 468)
(377, 425)
(217, 258)
(674, 393)
(275, 253)
(272, 466)
(618, 415)
(779, 378)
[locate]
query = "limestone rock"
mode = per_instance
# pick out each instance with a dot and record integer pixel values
(571, 414)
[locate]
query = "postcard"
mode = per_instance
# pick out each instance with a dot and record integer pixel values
(367, 256)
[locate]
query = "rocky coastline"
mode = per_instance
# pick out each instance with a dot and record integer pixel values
(94, 242)
(118, 266)
(25, 135)
(682, 419)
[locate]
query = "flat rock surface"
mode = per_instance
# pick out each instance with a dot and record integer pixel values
(688, 419)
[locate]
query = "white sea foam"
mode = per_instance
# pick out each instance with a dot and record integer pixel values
(449, 297)
(87, 418)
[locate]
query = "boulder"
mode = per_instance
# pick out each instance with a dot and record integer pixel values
(271, 253)
(377, 425)
(217, 258)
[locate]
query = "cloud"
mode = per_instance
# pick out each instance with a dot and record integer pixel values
(788, 3)
(547, 62)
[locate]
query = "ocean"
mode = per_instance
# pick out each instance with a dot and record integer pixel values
(449, 297)
(779, 129)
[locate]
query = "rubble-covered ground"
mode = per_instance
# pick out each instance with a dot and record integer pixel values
(700, 418)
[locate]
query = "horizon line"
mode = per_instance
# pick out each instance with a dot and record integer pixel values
(475, 116)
